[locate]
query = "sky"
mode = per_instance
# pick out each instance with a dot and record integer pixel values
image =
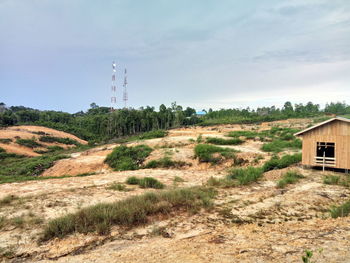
(57, 54)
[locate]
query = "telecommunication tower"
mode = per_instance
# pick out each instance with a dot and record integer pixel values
(125, 92)
(114, 87)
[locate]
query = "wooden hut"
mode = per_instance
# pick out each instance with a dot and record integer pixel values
(327, 144)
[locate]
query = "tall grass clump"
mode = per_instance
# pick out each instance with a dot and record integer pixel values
(165, 162)
(340, 211)
(221, 141)
(245, 176)
(145, 182)
(212, 154)
(128, 158)
(278, 163)
(336, 180)
(290, 177)
(30, 143)
(130, 212)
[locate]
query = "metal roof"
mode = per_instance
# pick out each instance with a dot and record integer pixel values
(321, 124)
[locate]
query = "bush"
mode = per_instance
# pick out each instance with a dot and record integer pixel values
(340, 211)
(153, 134)
(245, 176)
(30, 143)
(130, 212)
(128, 158)
(290, 177)
(221, 141)
(145, 182)
(205, 153)
(52, 139)
(5, 140)
(117, 187)
(165, 162)
(278, 163)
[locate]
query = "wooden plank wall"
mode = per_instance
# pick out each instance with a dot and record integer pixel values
(337, 132)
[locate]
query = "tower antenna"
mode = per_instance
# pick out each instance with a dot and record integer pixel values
(125, 92)
(113, 87)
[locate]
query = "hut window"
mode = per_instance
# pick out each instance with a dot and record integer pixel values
(327, 148)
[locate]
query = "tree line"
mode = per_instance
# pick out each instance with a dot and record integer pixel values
(99, 123)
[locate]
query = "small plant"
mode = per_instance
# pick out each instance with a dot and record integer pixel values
(133, 180)
(117, 187)
(7, 200)
(178, 179)
(128, 158)
(245, 176)
(331, 179)
(290, 177)
(199, 138)
(150, 182)
(307, 257)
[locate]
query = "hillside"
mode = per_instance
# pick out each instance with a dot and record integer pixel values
(246, 221)
(34, 140)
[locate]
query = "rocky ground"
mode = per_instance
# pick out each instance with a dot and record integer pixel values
(254, 223)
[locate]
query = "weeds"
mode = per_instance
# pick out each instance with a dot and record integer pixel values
(165, 162)
(290, 177)
(118, 187)
(130, 212)
(245, 176)
(145, 182)
(278, 163)
(340, 211)
(279, 145)
(7, 200)
(30, 143)
(128, 158)
(336, 180)
(5, 140)
(213, 154)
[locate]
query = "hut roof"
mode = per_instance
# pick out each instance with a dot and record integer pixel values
(321, 124)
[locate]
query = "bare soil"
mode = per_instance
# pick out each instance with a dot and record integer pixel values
(254, 223)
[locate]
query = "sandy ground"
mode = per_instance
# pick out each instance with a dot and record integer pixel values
(30, 132)
(254, 223)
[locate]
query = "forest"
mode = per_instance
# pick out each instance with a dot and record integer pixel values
(101, 124)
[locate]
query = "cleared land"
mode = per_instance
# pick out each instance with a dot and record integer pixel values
(259, 222)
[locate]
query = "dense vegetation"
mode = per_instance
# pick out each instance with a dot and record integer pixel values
(130, 212)
(221, 141)
(98, 123)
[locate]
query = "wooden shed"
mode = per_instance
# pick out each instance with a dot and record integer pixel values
(327, 144)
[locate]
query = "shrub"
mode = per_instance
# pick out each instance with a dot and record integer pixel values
(130, 212)
(51, 139)
(30, 143)
(278, 163)
(340, 211)
(128, 158)
(164, 162)
(205, 153)
(133, 180)
(290, 177)
(245, 176)
(5, 140)
(117, 187)
(153, 134)
(221, 141)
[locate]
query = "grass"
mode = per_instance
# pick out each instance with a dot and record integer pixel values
(336, 180)
(291, 177)
(30, 143)
(178, 179)
(278, 163)
(7, 200)
(52, 139)
(245, 176)
(165, 162)
(5, 140)
(246, 134)
(213, 154)
(128, 158)
(221, 141)
(118, 187)
(145, 182)
(340, 211)
(130, 212)
(279, 145)
(153, 134)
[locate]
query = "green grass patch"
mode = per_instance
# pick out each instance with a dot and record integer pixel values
(52, 139)
(30, 143)
(165, 162)
(153, 134)
(221, 141)
(130, 212)
(5, 140)
(145, 182)
(340, 211)
(213, 154)
(278, 163)
(245, 176)
(336, 180)
(246, 134)
(291, 177)
(279, 145)
(118, 187)
(128, 158)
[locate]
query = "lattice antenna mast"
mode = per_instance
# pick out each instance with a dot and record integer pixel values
(114, 87)
(125, 93)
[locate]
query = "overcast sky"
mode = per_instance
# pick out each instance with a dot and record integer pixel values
(57, 54)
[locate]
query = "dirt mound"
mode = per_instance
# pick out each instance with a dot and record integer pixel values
(8, 137)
